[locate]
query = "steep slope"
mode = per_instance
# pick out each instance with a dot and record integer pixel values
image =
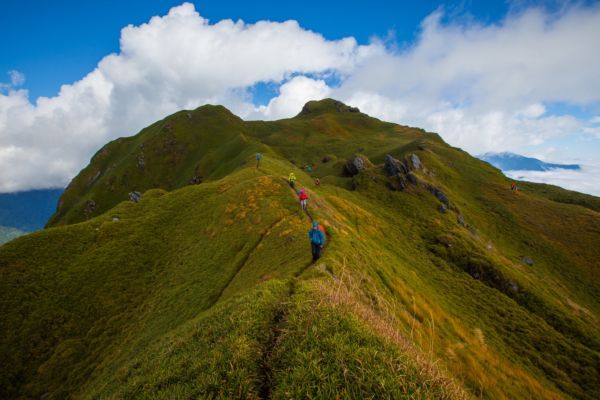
(437, 281)
(206, 143)
(167, 269)
(210, 142)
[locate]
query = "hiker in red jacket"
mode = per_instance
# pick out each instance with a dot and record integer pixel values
(303, 199)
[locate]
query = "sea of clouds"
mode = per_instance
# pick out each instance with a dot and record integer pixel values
(585, 180)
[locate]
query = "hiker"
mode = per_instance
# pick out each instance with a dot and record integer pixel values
(317, 182)
(308, 168)
(258, 157)
(292, 180)
(303, 199)
(317, 240)
(513, 187)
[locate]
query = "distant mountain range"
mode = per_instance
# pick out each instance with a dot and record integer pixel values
(28, 211)
(514, 162)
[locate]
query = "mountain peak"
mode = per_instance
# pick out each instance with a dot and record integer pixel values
(213, 110)
(327, 106)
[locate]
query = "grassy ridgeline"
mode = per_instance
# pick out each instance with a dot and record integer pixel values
(210, 142)
(207, 290)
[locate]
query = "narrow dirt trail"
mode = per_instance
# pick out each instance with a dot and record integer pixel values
(277, 326)
(310, 218)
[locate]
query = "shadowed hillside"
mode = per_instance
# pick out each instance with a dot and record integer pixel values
(437, 280)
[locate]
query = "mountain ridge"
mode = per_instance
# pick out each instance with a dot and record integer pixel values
(437, 282)
(507, 161)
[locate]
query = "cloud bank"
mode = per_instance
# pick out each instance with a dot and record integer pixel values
(482, 87)
(586, 180)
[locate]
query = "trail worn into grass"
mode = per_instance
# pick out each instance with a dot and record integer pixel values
(310, 218)
(265, 371)
(244, 260)
(276, 329)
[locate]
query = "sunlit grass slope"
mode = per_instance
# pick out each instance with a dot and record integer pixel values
(207, 291)
(210, 142)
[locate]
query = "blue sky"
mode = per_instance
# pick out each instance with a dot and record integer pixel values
(521, 76)
(57, 42)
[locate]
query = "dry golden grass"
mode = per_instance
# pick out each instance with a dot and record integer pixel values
(345, 294)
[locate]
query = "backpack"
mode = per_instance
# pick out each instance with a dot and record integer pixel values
(317, 236)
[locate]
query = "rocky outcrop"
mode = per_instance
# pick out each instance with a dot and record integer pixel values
(327, 105)
(404, 174)
(412, 178)
(90, 207)
(440, 195)
(415, 161)
(394, 167)
(342, 108)
(141, 162)
(488, 273)
(356, 164)
(527, 260)
(135, 196)
(400, 171)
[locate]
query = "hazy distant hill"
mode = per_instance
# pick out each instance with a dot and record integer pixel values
(514, 162)
(437, 281)
(7, 234)
(29, 210)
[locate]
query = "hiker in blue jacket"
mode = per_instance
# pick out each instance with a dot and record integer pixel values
(317, 240)
(258, 157)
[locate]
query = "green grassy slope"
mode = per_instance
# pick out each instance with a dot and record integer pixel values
(210, 142)
(207, 291)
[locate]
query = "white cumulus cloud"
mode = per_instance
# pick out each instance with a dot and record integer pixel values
(483, 87)
(172, 62)
(292, 96)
